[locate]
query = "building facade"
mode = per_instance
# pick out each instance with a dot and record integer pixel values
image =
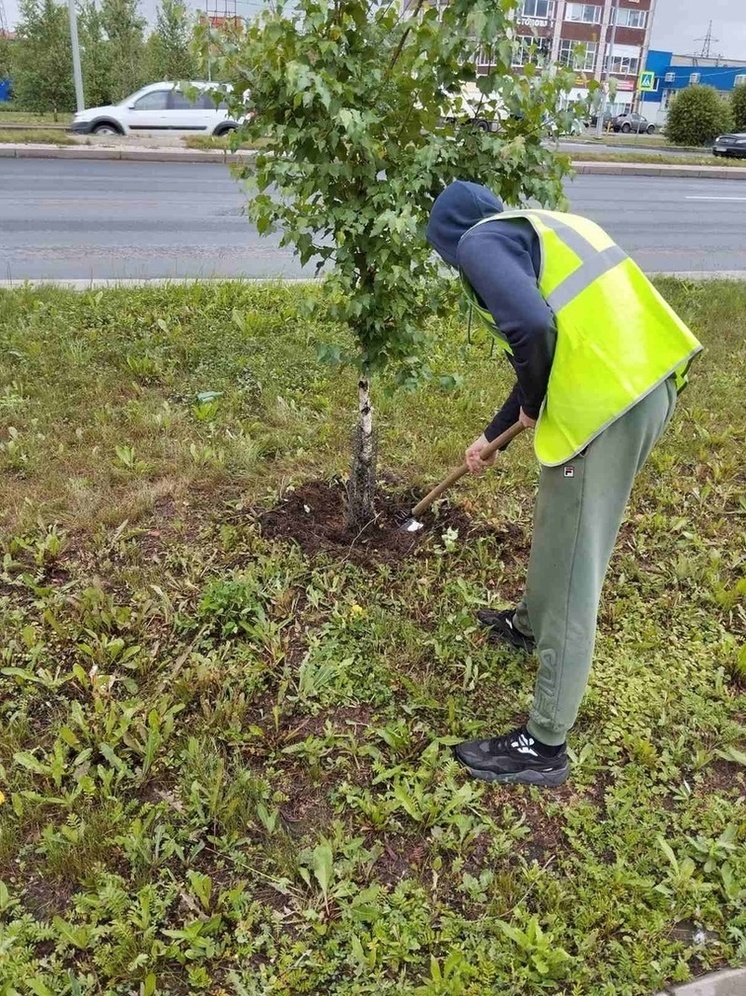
(598, 39)
(672, 73)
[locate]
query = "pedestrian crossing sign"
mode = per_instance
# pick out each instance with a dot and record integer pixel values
(647, 80)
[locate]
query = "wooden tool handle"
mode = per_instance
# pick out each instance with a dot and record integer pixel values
(515, 430)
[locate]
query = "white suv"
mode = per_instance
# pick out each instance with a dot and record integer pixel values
(160, 108)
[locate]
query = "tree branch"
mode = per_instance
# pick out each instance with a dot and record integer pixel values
(400, 46)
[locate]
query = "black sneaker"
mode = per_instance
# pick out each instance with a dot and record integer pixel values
(502, 629)
(514, 757)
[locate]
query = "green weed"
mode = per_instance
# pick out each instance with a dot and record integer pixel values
(225, 764)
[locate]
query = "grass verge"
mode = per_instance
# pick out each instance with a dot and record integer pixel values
(36, 136)
(224, 764)
(655, 158)
(10, 116)
(625, 141)
(208, 143)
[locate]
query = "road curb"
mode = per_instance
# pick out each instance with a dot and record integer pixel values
(728, 983)
(19, 151)
(83, 284)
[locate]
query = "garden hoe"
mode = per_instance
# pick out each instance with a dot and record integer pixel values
(412, 524)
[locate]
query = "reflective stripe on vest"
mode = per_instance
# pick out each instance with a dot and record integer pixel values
(617, 338)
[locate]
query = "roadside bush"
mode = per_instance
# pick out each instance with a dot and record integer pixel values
(696, 116)
(738, 107)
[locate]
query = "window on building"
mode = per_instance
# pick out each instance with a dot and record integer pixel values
(740, 79)
(626, 18)
(540, 10)
(670, 78)
(622, 65)
(578, 55)
(484, 61)
(626, 61)
(587, 13)
(695, 77)
(528, 49)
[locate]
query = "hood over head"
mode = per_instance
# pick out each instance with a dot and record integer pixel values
(461, 205)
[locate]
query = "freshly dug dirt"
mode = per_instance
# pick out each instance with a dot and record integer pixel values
(313, 516)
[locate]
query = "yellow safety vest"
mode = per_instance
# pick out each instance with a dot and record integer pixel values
(617, 338)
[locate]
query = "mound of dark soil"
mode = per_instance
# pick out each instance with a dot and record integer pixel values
(313, 516)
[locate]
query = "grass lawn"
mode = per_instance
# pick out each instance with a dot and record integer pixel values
(208, 143)
(656, 159)
(10, 116)
(36, 136)
(225, 761)
(625, 140)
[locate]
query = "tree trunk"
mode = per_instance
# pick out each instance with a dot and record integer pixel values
(362, 487)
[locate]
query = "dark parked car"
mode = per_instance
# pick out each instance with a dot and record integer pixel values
(632, 122)
(730, 145)
(607, 119)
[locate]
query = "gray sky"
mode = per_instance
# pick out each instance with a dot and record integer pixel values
(677, 23)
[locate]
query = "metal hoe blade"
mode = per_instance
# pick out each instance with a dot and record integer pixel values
(411, 525)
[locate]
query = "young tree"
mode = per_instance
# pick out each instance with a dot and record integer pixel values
(43, 70)
(95, 56)
(364, 119)
(738, 107)
(124, 30)
(696, 116)
(6, 57)
(169, 47)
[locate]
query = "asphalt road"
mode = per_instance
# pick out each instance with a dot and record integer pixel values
(66, 219)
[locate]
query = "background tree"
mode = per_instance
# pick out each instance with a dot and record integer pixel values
(363, 116)
(6, 57)
(169, 55)
(738, 107)
(696, 116)
(95, 56)
(42, 61)
(125, 46)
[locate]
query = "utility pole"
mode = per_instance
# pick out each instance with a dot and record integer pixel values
(77, 73)
(607, 74)
(707, 42)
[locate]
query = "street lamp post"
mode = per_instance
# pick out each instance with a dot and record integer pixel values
(77, 73)
(602, 112)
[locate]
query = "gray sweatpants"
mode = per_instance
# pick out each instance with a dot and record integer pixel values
(579, 510)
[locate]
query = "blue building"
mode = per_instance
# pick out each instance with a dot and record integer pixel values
(676, 72)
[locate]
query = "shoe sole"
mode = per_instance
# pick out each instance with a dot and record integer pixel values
(544, 779)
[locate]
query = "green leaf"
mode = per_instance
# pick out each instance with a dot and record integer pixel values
(78, 936)
(732, 754)
(322, 865)
(31, 763)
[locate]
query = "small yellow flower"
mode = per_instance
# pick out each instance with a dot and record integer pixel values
(357, 610)
(2, 797)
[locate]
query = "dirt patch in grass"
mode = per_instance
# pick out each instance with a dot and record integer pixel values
(313, 516)
(721, 776)
(46, 899)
